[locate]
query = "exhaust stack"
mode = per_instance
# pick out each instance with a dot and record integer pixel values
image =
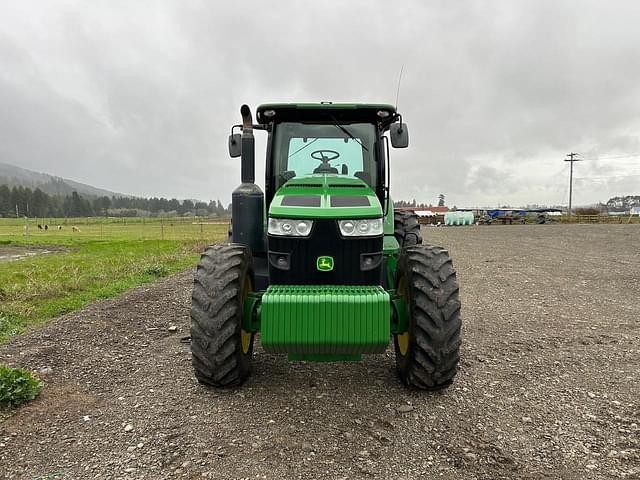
(247, 201)
(248, 155)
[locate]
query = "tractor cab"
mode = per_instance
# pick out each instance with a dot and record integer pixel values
(345, 140)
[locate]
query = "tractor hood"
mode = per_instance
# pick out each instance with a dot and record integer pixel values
(325, 196)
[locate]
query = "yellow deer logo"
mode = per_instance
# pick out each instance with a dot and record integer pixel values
(324, 263)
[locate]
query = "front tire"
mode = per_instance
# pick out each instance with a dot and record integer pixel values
(221, 350)
(427, 355)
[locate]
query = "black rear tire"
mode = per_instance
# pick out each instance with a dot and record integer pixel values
(406, 228)
(221, 350)
(427, 355)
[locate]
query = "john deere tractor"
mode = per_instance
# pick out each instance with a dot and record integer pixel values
(320, 264)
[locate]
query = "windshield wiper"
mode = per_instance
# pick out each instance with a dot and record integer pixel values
(348, 133)
(303, 147)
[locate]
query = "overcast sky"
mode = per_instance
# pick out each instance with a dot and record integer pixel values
(138, 96)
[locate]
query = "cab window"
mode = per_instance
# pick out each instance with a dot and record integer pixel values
(310, 149)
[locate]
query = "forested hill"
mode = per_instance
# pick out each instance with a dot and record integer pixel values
(13, 176)
(27, 193)
(22, 201)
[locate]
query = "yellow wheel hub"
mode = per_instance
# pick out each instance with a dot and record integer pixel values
(403, 338)
(245, 337)
(403, 342)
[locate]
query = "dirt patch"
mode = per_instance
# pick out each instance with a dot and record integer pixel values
(16, 252)
(548, 384)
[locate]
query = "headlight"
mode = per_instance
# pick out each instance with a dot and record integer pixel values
(290, 227)
(367, 227)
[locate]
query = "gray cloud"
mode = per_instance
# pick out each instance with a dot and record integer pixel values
(138, 97)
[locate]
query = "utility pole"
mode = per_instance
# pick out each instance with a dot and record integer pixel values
(572, 158)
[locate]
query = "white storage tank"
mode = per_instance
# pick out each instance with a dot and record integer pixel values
(459, 218)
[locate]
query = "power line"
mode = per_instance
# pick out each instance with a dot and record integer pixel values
(564, 193)
(597, 159)
(605, 177)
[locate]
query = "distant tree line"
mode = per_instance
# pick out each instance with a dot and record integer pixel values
(36, 203)
(411, 204)
(414, 204)
(622, 204)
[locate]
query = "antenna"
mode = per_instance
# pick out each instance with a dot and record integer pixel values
(398, 89)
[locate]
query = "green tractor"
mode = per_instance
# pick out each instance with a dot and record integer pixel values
(320, 263)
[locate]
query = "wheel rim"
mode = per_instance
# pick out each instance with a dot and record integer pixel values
(403, 343)
(403, 338)
(246, 341)
(245, 337)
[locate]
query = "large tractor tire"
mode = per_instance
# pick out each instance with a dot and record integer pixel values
(406, 228)
(427, 355)
(221, 350)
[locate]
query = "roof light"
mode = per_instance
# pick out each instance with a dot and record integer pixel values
(383, 113)
(269, 113)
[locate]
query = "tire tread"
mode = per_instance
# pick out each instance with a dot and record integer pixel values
(216, 316)
(406, 228)
(435, 324)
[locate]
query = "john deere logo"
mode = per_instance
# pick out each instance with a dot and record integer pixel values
(325, 264)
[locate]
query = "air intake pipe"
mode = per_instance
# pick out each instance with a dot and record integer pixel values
(247, 201)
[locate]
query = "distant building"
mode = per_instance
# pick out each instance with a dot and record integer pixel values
(439, 210)
(426, 211)
(634, 211)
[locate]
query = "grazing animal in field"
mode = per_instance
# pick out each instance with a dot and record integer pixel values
(75, 229)
(59, 227)
(39, 226)
(46, 227)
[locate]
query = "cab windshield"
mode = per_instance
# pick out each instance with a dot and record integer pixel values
(341, 149)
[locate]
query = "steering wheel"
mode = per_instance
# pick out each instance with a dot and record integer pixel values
(320, 155)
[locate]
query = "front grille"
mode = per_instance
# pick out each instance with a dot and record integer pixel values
(325, 240)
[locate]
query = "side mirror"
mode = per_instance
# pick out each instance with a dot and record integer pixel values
(235, 145)
(399, 135)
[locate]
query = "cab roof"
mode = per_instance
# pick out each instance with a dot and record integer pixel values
(326, 111)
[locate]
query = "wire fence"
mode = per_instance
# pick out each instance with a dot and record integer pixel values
(129, 228)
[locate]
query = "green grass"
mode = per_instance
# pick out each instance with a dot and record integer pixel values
(102, 260)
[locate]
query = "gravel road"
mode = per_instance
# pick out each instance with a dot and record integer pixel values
(548, 385)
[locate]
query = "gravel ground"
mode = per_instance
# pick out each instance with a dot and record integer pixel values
(548, 384)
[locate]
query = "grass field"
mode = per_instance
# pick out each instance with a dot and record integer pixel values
(46, 273)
